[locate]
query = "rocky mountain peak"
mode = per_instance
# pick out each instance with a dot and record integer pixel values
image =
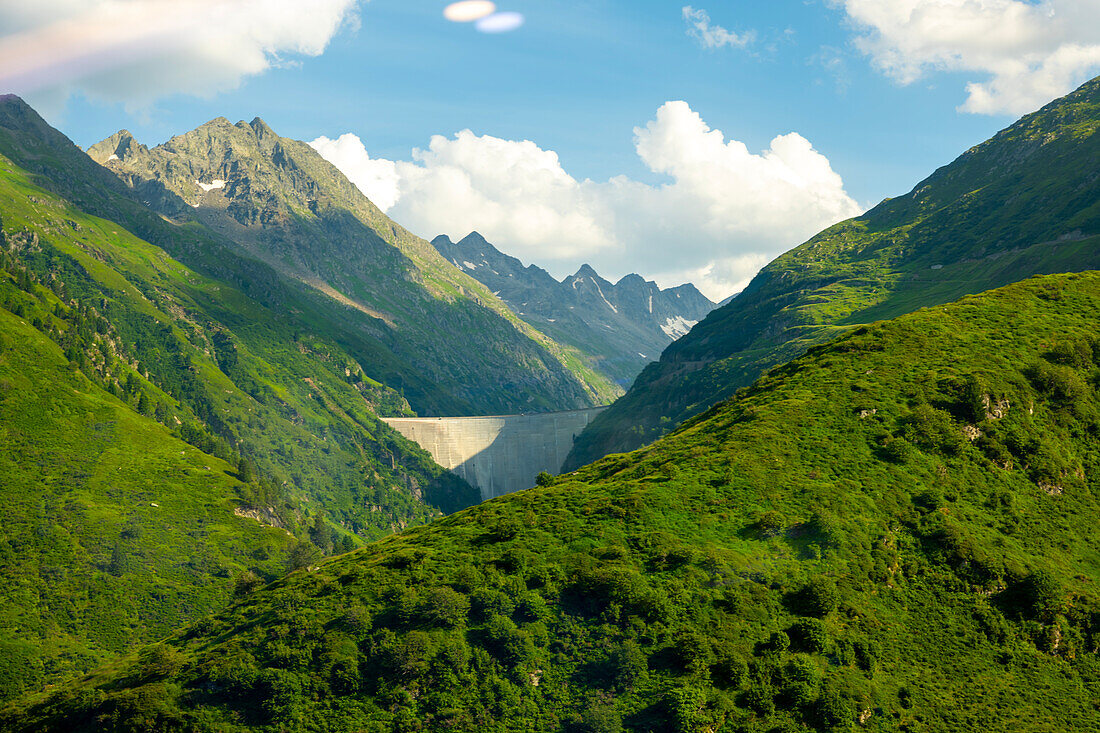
(474, 237)
(119, 146)
(621, 326)
(586, 270)
(261, 128)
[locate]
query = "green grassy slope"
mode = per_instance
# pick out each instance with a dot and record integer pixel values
(120, 366)
(112, 530)
(896, 531)
(1025, 202)
(289, 400)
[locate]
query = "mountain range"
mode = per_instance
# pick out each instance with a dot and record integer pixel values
(874, 506)
(621, 327)
(445, 340)
(153, 333)
(1024, 202)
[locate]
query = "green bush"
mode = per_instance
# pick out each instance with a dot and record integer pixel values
(444, 607)
(819, 597)
(687, 710)
(809, 635)
(770, 524)
(598, 716)
(626, 664)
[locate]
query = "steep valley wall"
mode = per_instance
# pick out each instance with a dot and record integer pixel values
(497, 454)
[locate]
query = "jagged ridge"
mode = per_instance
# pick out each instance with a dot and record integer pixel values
(620, 327)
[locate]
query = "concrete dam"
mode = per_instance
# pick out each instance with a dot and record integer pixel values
(501, 453)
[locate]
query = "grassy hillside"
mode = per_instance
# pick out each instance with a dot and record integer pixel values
(130, 379)
(112, 530)
(459, 346)
(1023, 203)
(209, 358)
(895, 531)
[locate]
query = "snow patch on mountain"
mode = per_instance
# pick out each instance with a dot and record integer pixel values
(677, 326)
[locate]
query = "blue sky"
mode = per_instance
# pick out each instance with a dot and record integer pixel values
(867, 83)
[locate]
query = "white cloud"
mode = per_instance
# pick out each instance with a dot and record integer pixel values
(713, 36)
(724, 212)
(376, 178)
(134, 51)
(1027, 53)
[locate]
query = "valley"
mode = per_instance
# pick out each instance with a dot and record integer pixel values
(271, 461)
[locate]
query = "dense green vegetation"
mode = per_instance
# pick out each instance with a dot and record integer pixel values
(1023, 203)
(284, 418)
(895, 531)
(224, 372)
(112, 530)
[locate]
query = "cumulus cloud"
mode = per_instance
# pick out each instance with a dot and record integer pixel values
(1026, 53)
(723, 212)
(713, 36)
(134, 51)
(376, 178)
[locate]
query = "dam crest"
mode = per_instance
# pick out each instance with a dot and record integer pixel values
(498, 454)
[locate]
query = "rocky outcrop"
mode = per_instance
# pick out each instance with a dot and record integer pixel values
(620, 326)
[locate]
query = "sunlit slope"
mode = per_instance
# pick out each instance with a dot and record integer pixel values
(278, 200)
(1025, 202)
(112, 530)
(897, 530)
(287, 399)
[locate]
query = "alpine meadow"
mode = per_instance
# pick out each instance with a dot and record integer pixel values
(256, 390)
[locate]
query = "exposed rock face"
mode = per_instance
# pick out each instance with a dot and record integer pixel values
(454, 347)
(622, 326)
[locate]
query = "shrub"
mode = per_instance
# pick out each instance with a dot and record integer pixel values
(1076, 353)
(1058, 382)
(159, 661)
(801, 679)
(777, 643)
(444, 607)
(509, 644)
(770, 524)
(357, 619)
(819, 597)
(729, 670)
(487, 602)
(835, 709)
(932, 429)
(809, 635)
(693, 651)
(533, 607)
(245, 583)
(687, 709)
(760, 699)
(1042, 594)
(410, 657)
(825, 529)
(598, 716)
(897, 450)
(627, 664)
(301, 556)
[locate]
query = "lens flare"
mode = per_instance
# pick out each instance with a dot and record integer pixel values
(469, 10)
(500, 22)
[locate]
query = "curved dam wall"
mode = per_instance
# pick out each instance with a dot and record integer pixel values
(501, 453)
